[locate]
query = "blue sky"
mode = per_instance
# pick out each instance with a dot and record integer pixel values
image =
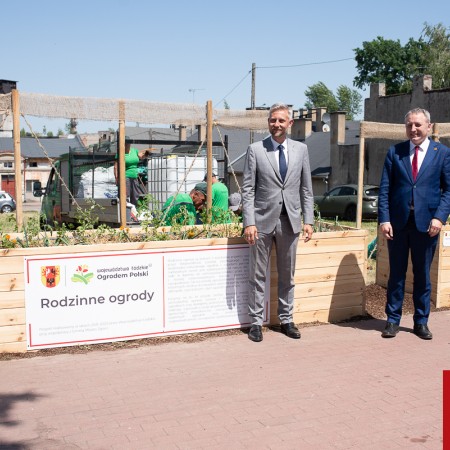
(159, 51)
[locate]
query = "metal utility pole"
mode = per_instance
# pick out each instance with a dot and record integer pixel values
(252, 100)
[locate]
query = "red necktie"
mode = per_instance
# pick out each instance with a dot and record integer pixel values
(415, 167)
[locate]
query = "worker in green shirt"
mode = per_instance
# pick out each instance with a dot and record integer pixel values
(219, 202)
(182, 208)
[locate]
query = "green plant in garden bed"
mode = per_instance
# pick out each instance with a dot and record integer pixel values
(152, 228)
(89, 232)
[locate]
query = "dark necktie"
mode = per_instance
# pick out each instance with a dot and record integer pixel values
(415, 165)
(282, 159)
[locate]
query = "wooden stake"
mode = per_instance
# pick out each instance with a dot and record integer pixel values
(360, 175)
(17, 158)
(121, 159)
(209, 158)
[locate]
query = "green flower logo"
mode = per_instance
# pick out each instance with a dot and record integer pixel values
(82, 275)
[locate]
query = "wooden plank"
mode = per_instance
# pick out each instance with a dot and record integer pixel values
(339, 234)
(12, 316)
(334, 287)
(325, 315)
(11, 281)
(443, 296)
(13, 347)
(345, 300)
(330, 288)
(160, 245)
(330, 259)
(330, 245)
(317, 274)
(12, 299)
(11, 266)
(324, 260)
(14, 333)
(444, 263)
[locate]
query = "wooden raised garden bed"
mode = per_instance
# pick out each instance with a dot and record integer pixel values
(440, 269)
(330, 278)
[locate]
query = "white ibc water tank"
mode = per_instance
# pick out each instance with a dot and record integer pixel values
(168, 174)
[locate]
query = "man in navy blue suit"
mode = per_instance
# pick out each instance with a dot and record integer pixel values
(413, 204)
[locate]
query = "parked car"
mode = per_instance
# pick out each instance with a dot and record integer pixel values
(341, 202)
(7, 203)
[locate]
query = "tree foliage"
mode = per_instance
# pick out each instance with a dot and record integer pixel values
(349, 100)
(437, 54)
(346, 99)
(387, 61)
(320, 96)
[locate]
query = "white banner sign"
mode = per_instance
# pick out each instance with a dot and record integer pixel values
(113, 296)
(446, 239)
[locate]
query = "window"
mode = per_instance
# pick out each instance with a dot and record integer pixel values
(29, 185)
(372, 192)
(347, 190)
(8, 164)
(33, 164)
(335, 192)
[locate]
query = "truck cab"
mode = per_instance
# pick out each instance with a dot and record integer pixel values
(80, 179)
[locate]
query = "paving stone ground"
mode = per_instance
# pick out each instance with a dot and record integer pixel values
(339, 387)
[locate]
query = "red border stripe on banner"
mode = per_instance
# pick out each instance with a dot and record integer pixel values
(446, 409)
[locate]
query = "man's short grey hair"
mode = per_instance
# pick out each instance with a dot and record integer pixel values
(418, 111)
(280, 107)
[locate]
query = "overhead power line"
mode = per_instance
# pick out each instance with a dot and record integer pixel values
(306, 64)
(235, 87)
(279, 67)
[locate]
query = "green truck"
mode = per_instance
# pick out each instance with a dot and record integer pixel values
(81, 180)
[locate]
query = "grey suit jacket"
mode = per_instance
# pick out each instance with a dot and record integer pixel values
(263, 191)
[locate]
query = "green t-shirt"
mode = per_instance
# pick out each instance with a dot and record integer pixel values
(131, 163)
(220, 212)
(184, 206)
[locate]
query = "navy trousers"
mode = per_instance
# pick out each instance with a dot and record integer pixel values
(422, 248)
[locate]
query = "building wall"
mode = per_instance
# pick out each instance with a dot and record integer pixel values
(392, 108)
(387, 109)
(29, 176)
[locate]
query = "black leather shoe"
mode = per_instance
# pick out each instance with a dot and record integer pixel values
(255, 333)
(290, 330)
(421, 330)
(390, 331)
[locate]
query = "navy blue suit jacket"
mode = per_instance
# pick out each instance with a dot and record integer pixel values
(430, 192)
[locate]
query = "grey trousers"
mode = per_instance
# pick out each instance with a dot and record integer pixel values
(286, 247)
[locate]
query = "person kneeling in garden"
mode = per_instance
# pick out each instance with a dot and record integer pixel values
(182, 208)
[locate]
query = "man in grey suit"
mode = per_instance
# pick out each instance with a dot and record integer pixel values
(276, 191)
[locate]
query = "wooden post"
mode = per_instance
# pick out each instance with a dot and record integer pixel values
(209, 158)
(121, 159)
(360, 175)
(435, 132)
(17, 158)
